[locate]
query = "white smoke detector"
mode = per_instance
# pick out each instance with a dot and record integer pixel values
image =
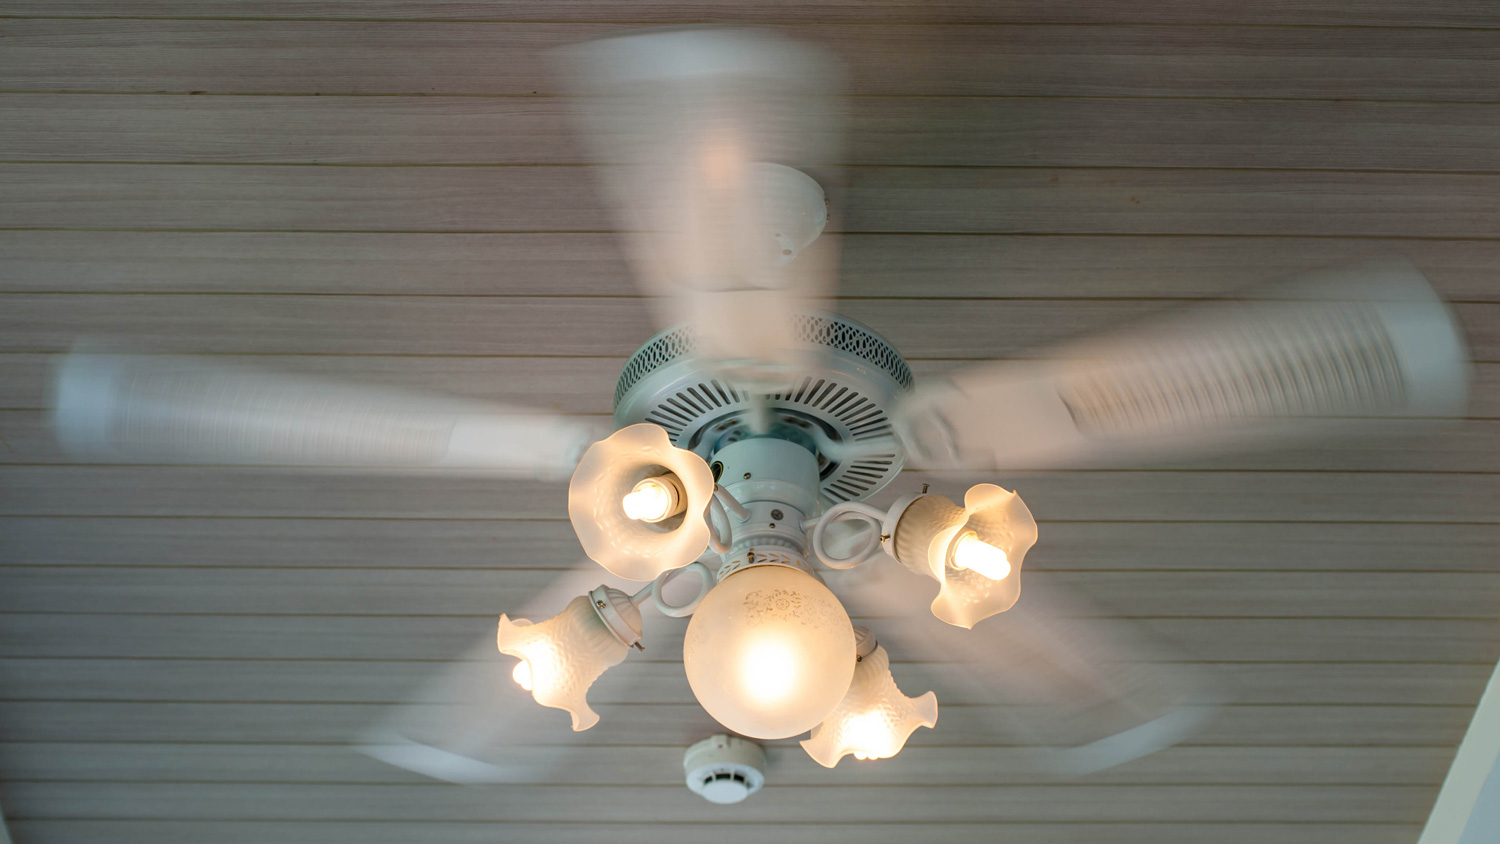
(725, 769)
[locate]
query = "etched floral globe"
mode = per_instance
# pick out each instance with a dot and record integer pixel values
(769, 652)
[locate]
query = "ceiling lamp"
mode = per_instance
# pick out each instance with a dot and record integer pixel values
(974, 552)
(560, 658)
(772, 652)
(637, 503)
(874, 719)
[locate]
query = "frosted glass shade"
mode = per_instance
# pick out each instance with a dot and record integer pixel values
(933, 532)
(563, 655)
(609, 471)
(874, 719)
(769, 652)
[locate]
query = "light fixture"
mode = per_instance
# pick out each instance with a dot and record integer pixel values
(771, 653)
(560, 658)
(974, 552)
(875, 718)
(637, 503)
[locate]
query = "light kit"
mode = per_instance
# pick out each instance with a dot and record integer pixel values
(751, 435)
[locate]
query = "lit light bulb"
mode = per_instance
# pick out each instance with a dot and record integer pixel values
(980, 557)
(768, 670)
(522, 675)
(769, 652)
(874, 719)
(650, 501)
(562, 657)
(866, 732)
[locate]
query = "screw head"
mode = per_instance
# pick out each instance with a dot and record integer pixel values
(776, 514)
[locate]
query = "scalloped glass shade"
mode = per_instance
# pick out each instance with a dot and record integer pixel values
(769, 652)
(933, 525)
(565, 655)
(874, 719)
(609, 470)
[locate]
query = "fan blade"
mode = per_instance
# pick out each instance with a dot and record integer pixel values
(1338, 351)
(470, 723)
(1082, 690)
(144, 408)
(697, 127)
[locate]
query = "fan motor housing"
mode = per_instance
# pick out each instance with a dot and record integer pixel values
(842, 397)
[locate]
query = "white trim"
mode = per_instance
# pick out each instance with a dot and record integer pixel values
(1477, 760)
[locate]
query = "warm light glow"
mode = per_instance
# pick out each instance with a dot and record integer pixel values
(868, 734)
(769, 652)
(769, 669)
(980, 557)
(561, 657)
(650, 501)
(522, 674)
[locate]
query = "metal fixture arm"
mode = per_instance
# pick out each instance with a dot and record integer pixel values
(653, 592)
(723, 503)
(868, 547)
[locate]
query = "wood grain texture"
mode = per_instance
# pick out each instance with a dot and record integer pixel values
(1167, 495)
(570, 385)
(364, 57)
(352, 832)
(185, 654)
(449, 544)
(376, 681)
(464, 592)
(895, 200)
(312, 763)
(1457, 13)
(587, 327)
(1187, 803)
(1268, 637)
(584, 264)
(907, 131)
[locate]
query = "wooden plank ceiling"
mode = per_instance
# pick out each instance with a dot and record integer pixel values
(390, 192)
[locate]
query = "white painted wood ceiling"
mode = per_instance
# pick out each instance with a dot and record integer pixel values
(391, 192)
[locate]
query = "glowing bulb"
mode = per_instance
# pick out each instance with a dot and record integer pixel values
(980, 557)
(650, 501)
(867, 733)
(768, 670)
(522, 675)
(769, 652)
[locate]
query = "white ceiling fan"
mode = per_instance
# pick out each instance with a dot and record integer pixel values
(753, 428)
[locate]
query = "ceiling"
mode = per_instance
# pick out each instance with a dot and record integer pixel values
(391, 192)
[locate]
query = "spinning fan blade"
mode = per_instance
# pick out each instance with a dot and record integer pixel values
(1338, 351)
(138, 408)
(700, 130)
(1084, 691)
(471, 723)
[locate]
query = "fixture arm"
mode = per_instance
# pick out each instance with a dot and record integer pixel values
(868, 547)
(730, 503)
(653, 592)
(724, 503)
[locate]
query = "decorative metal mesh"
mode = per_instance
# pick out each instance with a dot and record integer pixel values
(830, 331)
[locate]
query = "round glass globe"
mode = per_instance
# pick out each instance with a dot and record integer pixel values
(769, 652)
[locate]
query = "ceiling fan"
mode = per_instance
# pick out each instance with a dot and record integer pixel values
(753, 429)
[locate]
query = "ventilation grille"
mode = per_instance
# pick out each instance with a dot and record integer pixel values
(826, 331)
(853, 418)
(1308, 362)
(726, 776)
